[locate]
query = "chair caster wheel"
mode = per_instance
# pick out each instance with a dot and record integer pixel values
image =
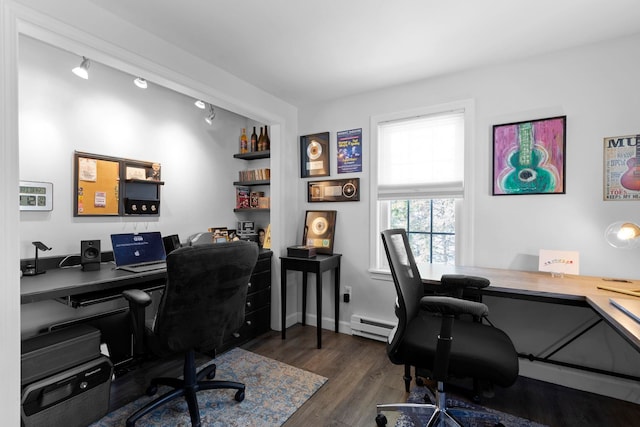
(239, 396)
(381, 420)
(212, 374)
(151, 390)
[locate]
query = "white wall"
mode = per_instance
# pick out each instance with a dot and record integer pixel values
(596, 87)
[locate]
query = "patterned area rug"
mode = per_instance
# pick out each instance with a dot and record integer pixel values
(274, 391)
(484, 417)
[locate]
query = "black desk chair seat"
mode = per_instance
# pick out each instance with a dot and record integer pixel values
(432, 334)
(203, 302)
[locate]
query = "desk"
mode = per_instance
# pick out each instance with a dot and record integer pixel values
(537, 286)
(317, 265)
(66, 282)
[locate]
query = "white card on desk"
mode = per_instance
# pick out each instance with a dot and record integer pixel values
(630, 307)
(564, 262)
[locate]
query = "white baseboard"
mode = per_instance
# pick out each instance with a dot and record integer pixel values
(617, 388)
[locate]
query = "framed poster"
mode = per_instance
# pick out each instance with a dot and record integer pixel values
(622, 167)
(314, 155)
(529, 157)
(334, 190)
(349, 150)
(319, 231)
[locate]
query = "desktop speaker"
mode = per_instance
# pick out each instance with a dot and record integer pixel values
(90, 255)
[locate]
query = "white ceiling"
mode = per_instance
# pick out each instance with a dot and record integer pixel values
(308, 51)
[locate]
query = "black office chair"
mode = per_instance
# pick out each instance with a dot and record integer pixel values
(431, 335)
(203, 302)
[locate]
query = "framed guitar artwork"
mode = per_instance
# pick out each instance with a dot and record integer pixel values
(622, 168)
(529, 157)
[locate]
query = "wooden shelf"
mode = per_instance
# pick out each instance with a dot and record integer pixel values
(251, 183)
(254, 155)
(251, 210)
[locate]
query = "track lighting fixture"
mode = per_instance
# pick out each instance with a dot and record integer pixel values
(140, 82)
(200, 104)
(211, 116)
(83, 69)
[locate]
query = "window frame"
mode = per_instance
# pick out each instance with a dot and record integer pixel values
(464, 205)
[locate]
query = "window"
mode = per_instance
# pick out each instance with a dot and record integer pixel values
(418, 181)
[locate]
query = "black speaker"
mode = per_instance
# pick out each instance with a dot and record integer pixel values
(90, 255)
(171, 243)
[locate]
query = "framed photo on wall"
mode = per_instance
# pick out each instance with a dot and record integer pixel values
(319, 231)
(622, 167)
(314, 155)
(529, 157)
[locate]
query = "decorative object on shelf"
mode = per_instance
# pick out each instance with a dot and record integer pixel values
(154, 173)
(334, 190)
(261, 140)
(314, 155)
(529, 157)
(219, 234)
(36, 196)
(349, 150)
(623, 235)
(622, 168)
(267, 142)
(301, 251)
(254, 140)
(264, 202)
(267, 238)
(253, 198)
(319, 230)
(244, 143)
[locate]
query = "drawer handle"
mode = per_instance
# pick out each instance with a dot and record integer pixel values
(248, 304)
(236, 335)
(248, 322)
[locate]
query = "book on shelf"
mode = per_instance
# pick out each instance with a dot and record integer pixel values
(243, 197)
(263, 174)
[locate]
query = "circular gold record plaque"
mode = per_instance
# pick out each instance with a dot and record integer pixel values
(314, 150)
(319, 226)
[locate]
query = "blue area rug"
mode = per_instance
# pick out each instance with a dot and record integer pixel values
(274, 391)
(484, 418)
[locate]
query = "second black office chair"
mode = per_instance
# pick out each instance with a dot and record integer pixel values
(430, 335)
(202, 303)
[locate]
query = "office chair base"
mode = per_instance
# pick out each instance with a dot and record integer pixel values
(187, 387)
(439, 418)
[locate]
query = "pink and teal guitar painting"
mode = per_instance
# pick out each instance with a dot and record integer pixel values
(528, 174)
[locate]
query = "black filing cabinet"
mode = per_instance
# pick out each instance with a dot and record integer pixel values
(257, 317)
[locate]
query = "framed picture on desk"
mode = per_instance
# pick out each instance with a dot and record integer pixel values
(319, 231)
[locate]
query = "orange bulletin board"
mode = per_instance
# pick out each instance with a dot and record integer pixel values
(97, 186)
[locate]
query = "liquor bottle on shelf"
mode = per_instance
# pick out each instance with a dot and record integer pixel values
(254, 140)
(244, 145)
(267, 141)
(261, 140)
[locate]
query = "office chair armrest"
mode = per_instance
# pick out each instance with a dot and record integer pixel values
(453, 306)
(461, 281)
(137, 297)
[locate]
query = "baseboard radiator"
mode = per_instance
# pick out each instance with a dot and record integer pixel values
(370, 328)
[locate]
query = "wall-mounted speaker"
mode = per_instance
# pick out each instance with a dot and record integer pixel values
(90, 255)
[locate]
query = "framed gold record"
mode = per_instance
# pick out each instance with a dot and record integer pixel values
(314, 155)
(319, 231)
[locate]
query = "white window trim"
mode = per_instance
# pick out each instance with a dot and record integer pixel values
(464, 211)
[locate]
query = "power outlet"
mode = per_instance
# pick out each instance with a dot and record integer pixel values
(346, 297)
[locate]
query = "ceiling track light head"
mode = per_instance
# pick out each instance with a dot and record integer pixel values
(82, 70)
(200, 104)
(140, 82)
(211, 116)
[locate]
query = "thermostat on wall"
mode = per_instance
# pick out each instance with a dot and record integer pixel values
(36, 196)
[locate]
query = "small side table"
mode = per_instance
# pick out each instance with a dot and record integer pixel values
(317, 265)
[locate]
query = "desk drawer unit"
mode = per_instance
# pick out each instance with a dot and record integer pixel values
(257, 317)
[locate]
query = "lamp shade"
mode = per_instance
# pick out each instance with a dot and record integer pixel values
(82, 70)
(623, 235)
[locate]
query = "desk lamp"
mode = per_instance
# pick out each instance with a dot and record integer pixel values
(623, 235)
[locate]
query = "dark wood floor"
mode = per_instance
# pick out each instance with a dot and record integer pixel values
(360, 375)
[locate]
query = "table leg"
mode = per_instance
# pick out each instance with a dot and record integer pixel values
(304, 298)
(336, 281)
(319, 306)
(283, 300)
